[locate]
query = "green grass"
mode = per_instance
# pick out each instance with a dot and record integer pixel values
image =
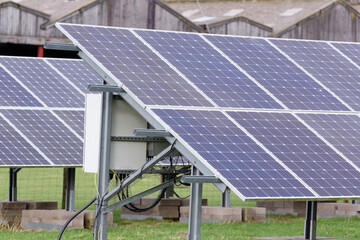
(347, 228)
(46, 184)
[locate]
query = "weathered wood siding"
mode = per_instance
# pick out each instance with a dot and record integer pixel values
(120, 13)
(168, 19)
(337, 24)
(240, 27)
(15, 21)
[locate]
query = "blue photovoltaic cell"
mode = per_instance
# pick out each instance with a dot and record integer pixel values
(351, 50)
(75, 119)
(328, 66)
(44, 82)
(303, 152)
(276, 73)
(15, 150)
(233, 154)
(78, 72)
(13, 94)
(342, 131)
(57, 142)
(137, 67)
(219, 79)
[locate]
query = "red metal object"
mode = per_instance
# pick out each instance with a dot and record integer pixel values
(40, 51)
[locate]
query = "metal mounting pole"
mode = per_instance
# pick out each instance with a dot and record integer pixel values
(195, 208)
(13, 184)
(225, 198)
(310, 220)
(100, 224)
(69, 188)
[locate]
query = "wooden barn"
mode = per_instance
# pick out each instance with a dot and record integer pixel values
(25, 25)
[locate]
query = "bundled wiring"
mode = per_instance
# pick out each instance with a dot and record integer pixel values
(74, 216)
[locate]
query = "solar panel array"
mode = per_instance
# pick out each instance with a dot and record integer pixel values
(273, 118)
(42, 111)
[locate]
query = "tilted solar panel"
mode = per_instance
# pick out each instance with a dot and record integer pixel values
(261, 142)
(42, 110)
(328, 66)
(212, 73)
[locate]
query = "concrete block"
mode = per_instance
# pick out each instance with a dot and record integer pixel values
(6, 205)
(186, 202)
(89, 219)
(251, 214)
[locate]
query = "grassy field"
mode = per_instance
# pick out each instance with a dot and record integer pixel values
(347, 228)
(46, 184)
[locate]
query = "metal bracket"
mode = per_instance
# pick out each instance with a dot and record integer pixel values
(137, 139)
(61, 46)
(104, 88)
(200, 179)
(151, 133)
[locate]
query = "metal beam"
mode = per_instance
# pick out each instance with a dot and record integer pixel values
(194, 226)
(151, 133)
(225, 198)
(137, 139)
(104, 88)
(13, 184)
(138, 173)
(96, 67)
(100, 224)
(69, 188)
(61, 46)
(310, 220)
(200, 179)
(140, 195)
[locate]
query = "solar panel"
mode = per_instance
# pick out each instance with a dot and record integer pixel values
(13, 94)
(44, 82)
(328, 66)
(42, 110)
(326, 172)
(15, 150)
(276, 73)
(220, 80)
(75, 119)
(342, 131)
(50, 135)
(233, 154)
(261, 146)
(77, 72)
(133, 64)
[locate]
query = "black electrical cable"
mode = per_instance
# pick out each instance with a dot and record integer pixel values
(74, 216)
(133, 208)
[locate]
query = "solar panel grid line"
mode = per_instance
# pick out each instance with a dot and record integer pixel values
(27, 140)
(270, 153)
(327, 142)
(310, 75)
(64, 77)
(243, 71)
(66, 125)
(23, 85)
(174, 68)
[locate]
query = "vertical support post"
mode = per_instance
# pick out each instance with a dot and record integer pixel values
(13, 184)
(100, 224)
(313, 220)
(195, 208)
(307, 220)
(69, 189)
(225, 198)
(310, 220)
(169, 190)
